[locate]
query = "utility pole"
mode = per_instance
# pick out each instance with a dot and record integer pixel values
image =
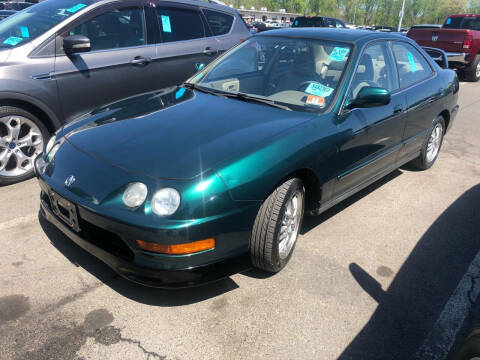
(355, 13)
(401, 16)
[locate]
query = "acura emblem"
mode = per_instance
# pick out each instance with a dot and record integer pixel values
(69, 181)
(434, 38)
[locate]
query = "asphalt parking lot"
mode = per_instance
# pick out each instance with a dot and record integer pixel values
(388, 274)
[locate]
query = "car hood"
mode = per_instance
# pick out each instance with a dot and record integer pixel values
(177, 133)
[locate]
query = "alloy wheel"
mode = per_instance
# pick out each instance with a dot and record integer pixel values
(434, 142)
(20, 142)
(290, 225)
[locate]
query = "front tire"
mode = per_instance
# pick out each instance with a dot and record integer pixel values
(276, 226)
(22, 137)
(432, 145)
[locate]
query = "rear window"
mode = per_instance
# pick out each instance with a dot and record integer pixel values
(220, 23)
(467, 22)
(308, 22)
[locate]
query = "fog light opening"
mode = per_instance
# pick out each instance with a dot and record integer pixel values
(178, 249)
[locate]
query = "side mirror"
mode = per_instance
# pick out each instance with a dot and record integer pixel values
(76, 44)
(370, 96)
(439, 56)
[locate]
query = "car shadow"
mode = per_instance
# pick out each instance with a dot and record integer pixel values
(310, 222)
(140, 293)
(409, 308)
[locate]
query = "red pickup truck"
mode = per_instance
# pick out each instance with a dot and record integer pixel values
(459, 37)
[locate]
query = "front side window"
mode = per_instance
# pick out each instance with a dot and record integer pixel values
(339, 24)
(412, 66)
(180, 24)
(302, 74)
(375, 70)
(35, 20)
(220, 23)
(114, 29)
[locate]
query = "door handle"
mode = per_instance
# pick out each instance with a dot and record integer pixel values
(140, 60)
(397, 109)
(210, 51)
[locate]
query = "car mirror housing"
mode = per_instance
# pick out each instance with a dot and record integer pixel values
(76, 44)
(370, 96)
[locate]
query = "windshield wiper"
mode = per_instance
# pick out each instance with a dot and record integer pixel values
(239, 96)
(192, 86)
(248, 98)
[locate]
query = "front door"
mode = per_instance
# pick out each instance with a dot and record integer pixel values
(375, 133)
(117, 66)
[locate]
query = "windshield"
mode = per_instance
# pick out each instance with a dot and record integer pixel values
(468, 22)
(299, 73)
(32, 22)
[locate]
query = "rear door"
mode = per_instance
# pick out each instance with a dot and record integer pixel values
(186, 44)
(422, 89)
(117, 66)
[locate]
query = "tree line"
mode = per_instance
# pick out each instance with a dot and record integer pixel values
(370, 12)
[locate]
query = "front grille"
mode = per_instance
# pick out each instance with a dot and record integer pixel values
(105, 240)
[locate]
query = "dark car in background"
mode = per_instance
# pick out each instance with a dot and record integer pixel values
(174, 187)
(61, 58)
(15, 5)
(6, 13)
(317, 21)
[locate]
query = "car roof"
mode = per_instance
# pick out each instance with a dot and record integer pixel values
(204, 4)
(331, 34)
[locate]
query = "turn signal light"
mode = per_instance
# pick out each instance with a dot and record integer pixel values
(178, 249)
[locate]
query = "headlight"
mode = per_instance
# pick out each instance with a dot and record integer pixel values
(135, 194)
(165, 201)
(53, 151)
(50, 144)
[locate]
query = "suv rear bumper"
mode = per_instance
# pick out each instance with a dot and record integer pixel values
(462, 58)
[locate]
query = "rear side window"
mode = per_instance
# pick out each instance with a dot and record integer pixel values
(220, 23)
(412, 66)
(180, 24)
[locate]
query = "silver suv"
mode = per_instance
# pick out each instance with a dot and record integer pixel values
(62, 58)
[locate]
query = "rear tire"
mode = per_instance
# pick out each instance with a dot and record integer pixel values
(276, 226)
(472, 73)
(470, 348)
(432, 145)
(22, 138)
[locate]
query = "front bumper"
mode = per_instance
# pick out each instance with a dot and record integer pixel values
(150, 276)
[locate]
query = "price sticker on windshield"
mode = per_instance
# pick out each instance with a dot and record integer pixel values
(319, 90)
(339, 54)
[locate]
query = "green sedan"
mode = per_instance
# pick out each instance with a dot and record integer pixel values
(189, 184)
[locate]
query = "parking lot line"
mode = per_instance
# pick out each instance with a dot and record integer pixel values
(441, 338)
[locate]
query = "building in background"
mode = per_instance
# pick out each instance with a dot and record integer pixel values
(264, 15)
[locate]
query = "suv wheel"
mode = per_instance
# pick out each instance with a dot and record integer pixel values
(22, 136)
